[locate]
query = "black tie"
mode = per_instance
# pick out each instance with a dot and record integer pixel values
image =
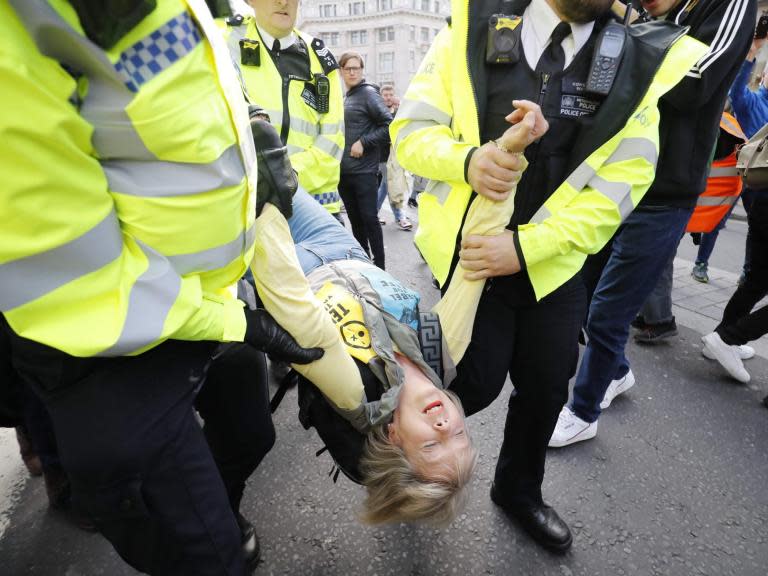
(276, 46)
(553, 58)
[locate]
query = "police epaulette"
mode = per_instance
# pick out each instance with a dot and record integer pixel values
(449, 20)
(234, 20)
(327, 59)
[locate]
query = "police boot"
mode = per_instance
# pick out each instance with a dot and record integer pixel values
(251, 545)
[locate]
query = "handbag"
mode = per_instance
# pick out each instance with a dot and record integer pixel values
(752, 162)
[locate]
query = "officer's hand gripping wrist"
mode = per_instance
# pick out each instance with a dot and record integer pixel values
(263, 333)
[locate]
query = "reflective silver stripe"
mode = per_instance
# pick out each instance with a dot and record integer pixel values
(418, 110)
(716, 200)
(723, 171)
(236, 34)
(293, 149)
(29, 278)
(152, 297)
(333, 128)
(213, 258)
(620, 193)
(439, 190)
(305, 127)
(329, 147)
(155, 179)
(541, 214)
(580, 177)
(412, 127)
(634, 148)
(628, 149)
(275, 117)
(107, 97)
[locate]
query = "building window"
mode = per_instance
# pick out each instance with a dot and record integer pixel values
(386, 34)
(334, 39)
(327, 10)
(413, 33)
(437, 7)
(412, 57)
(436, 31)
(425, 34)
(356, 8)
(384, 5)
(386, 62)
(425, 5)
(358, 37)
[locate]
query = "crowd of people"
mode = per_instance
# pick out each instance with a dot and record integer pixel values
(173, 213)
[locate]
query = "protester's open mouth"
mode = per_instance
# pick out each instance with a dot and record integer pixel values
(435, 406)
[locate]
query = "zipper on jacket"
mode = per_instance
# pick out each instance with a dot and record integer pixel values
(543, 90)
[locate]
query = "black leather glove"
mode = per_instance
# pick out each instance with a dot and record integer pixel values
(277, 181)
(263, 333)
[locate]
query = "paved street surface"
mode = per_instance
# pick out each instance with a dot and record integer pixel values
(674, 484)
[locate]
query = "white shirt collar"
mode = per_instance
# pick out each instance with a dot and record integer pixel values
(539, 21)
(269, 40)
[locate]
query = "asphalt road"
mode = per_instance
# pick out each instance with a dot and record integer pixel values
(674, 484)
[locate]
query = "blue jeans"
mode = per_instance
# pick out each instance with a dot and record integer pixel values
(318, 236)
(641, 248)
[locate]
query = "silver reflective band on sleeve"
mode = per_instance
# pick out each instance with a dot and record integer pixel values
(417, 110)
(541, 214)
(329, 147)
(213, 258)
(152, 297)
(438, 189)
(154, 179)
(628, 149)
(29, 278)
(716, 200)
(293, 149)
(620, 193)
(414, 126)
(723, 172)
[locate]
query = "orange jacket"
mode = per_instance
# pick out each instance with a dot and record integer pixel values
(723, 185)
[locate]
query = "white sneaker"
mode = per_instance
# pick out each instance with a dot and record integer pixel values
(617, 387)
(728, 356)
(745, 352)
(571, 429)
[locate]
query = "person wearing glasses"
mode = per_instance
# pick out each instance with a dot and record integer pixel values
(366, 123)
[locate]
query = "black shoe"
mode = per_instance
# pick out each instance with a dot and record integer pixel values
(765, 401)
(413, 203)
(653, 333)
(541, 522)
(639, 322)
(251, 545)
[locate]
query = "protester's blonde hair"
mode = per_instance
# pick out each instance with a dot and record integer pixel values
(398, 493)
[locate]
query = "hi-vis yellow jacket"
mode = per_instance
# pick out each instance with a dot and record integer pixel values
(127, 206)
(437, 126)
(315, 141)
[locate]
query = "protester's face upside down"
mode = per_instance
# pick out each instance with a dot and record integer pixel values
(428, 426)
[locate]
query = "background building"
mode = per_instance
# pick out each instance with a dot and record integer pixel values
(392, 35)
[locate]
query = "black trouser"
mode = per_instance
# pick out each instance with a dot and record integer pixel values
(137, 459)
(359, 191)
(739, 324)
(537, 346)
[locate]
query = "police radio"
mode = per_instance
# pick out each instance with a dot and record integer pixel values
(606, 59)
(323, 86)
(503, 46)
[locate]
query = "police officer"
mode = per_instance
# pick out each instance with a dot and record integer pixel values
(128, 214)
(583, 176)
(295, 78)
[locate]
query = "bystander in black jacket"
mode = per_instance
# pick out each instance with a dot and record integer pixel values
(366, 118)
(690, 112)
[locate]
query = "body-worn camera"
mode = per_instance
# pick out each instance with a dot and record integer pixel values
(503, 45)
